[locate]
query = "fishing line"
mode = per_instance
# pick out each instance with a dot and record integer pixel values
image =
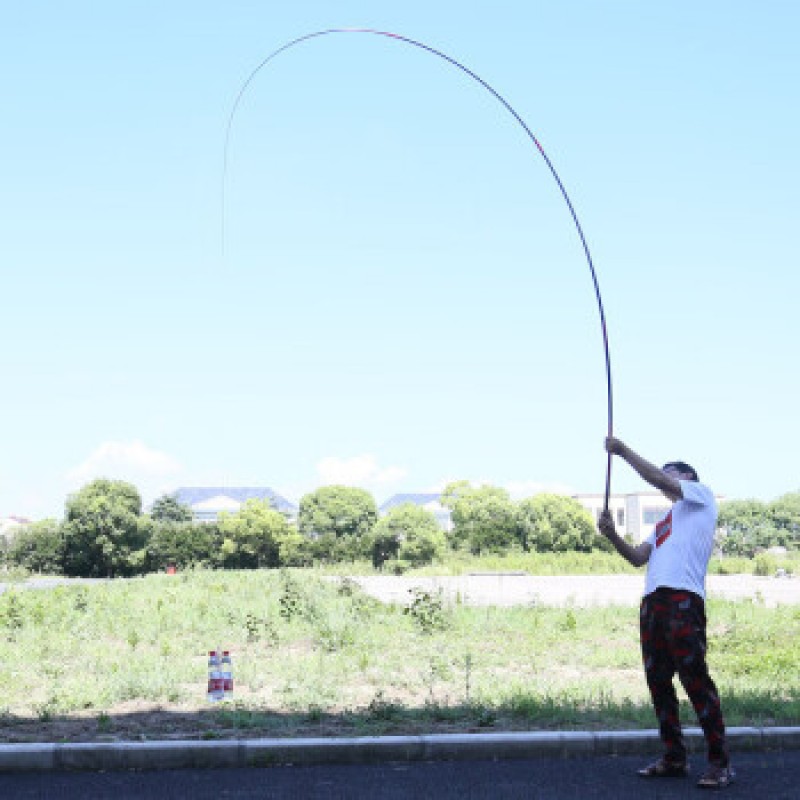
(522, 124)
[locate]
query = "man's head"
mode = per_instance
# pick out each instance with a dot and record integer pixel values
(680, 470)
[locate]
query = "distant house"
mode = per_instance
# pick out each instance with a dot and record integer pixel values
(430, 502)
(634, 513)
(208, 502)
(10, 526)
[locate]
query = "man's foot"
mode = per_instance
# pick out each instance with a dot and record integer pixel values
(663, 768)
(716, 777)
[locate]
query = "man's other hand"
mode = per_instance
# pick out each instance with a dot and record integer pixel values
(606, 523)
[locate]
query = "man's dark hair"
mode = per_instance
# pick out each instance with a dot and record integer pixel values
(682, 466)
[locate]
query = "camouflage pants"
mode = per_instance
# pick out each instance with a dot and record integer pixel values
(673, 639)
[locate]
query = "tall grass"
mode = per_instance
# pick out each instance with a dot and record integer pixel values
(314, 655)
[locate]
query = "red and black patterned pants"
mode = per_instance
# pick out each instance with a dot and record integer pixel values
(673, 638)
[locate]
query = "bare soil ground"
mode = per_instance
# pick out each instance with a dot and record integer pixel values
(576, 590)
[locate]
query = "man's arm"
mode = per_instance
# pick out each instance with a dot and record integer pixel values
(633, 555)
(654, 475)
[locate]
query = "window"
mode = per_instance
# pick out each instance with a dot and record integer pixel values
(652, 514)
(620, 517)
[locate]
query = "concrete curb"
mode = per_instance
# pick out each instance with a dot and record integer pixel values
(365, 750)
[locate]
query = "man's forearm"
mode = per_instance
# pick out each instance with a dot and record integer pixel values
(649, 472)
(631, 554)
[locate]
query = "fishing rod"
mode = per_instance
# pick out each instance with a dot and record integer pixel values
(433, 51)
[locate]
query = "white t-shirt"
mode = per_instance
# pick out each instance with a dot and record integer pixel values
(682, 541)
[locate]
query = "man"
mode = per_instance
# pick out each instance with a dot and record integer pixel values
(672, 616)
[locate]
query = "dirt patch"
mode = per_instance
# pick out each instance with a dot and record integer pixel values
(385, 715)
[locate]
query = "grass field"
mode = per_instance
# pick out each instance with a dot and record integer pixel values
(314, 656)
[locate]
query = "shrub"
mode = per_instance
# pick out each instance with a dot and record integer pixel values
(182, 544)
(252, 536)
(485, 519)
(104, 533)
(408, 533)
(38, 547)
(555, 523)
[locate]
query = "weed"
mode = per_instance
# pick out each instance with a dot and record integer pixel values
(45, 712)
(11, 615)
(81, 601)
(570, 622)
(427, 610)
(467, 677)
(314, 715)
(333, 635)
(348, 587)
(290, 600)
(381, 709)
(259, 628)
(485, 717)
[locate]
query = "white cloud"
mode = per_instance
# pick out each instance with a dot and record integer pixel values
(131, 461)
(357, 471)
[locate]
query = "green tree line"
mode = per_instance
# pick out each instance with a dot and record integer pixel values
(106, 533)
(748, 527)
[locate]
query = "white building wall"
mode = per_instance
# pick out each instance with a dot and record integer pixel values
(634, 513)
(631, 512)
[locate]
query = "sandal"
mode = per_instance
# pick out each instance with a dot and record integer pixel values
(716, 777)
(664, 769)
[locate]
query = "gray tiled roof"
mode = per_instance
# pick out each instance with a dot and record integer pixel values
(191, 495)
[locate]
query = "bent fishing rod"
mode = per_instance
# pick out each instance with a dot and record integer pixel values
(452, 61)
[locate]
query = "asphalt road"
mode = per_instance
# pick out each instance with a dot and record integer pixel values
(773, 775)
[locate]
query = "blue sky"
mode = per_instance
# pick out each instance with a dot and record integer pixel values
(402, 300)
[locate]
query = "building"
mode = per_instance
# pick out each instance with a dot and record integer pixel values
(428, 501)
(208, 502)
(10, 526)
(634, 513)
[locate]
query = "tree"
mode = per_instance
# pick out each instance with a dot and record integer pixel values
(338, 519)
(183, 544)
(746, 527)
(554, 523)
(294, 549)
(38, 547)
(452, 491)
(167, 509)
(104, 532)
(252, 537)
(408, 533)
(785, 516)
(484, 518)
